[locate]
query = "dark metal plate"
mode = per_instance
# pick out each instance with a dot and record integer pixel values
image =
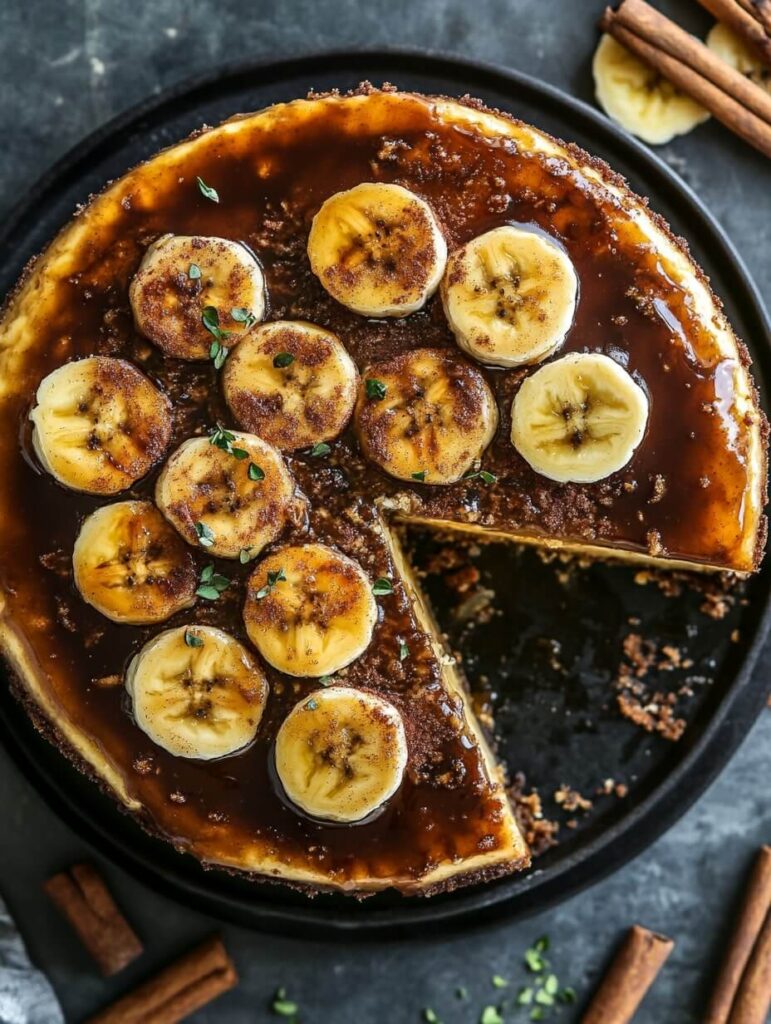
(552, 648)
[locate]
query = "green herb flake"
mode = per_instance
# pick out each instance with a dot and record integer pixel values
(243, 316)
(212, 584)
(534, 958)
(326, 680)
(204, 534)
(382, 586)
(543, 998)
(218, 353)
(499, 982)
(223, 439)
(239, 453)
(551, 985)
(273, 578)
(375, 389)
(194, 272)
(490, 1015)
(421, 475)
(282, 1006)
(404, 651)
(256, 472)
(483, 475)
(525, 996)
(567, 995)
(430, 1016)
(461, 992)
(207, 191)
(311, 705)
(245, 556)
(537, 1013)
(283, 359)
(192, 640)
(319, 449)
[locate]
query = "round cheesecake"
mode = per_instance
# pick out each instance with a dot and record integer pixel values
(348, 313)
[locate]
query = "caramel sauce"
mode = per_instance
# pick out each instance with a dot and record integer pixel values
(270, 187)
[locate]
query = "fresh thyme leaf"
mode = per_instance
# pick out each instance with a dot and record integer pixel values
(208, 592)
(542, 944)
(223, 439)
(273, 578)
(220, 356)
(525, 996)
(326, 680)
(483, 475)
(282, 1006)
(499, 982)
(461, 992)
(207, 191)
(207, 572)
(245, 555)
(490, 1015)
(311, 705)
(404, 651)
(430, 1016)
(192, 640)
(543, 998)
(551, 984)
(534, 957)
(382, 586)
(283, 359)
(255, 472)
(211, 321)
(320, 449)
(239, 453)
(220, 583)
(243, 316)
(205, 535)
(194, 272)
(376, 389)
(537, 1013)
(567, 995)
(421, 475)
(212, 584)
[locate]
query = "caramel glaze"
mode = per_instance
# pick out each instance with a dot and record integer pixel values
(269, 190)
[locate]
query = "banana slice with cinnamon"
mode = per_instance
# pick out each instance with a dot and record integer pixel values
(291, 383)
(425, 416)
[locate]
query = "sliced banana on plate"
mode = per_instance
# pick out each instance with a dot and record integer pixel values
(99, 424)
(227, 493)
(341, 753)
(309, 610)
(425, 416)
(638, 98)
(292, 384)
(378, 249)
(579, 418)
(509, 296)
(735, 52)
(197, 692)
(131, 566)
(185, 283)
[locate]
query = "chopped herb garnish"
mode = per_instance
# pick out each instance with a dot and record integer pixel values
(430, 1016)
(567, 995)
(382, 586)
(326, 680)
(461, 992)
(192, 640)
(551, 985)
(320, 449)
(525, 996)
(311, 705)
(204, 534)
(243, 316)
(483, 475)
(256, 472)
(537, 1013)
(283, 359)
(212, 584)
(376, 389)
(544, 998)
(218, 353)
(207, 191)
(421, 475)
(404, 651)
(194, 272)
(534, 957)
(283, 1006)
(273, 578)
(211, 321)
(490, 1015)
(245, 555)
(223, 439)
(499, 982)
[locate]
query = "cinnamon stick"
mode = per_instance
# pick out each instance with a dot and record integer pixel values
(755, 910)
(754, 996)
(629, 977)
(687, 63)
(84, 899)
(182, 988)
(746, 24)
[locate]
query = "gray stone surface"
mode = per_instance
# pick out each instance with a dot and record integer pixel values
(66, 66)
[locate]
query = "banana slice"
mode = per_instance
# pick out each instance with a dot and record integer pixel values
(734, 51)
(292, 384)
(227, 494)
(197, 692)
(377, 249)
(425, 415)
(309, 610)
(509, 296)
(180, 277)
(99, 424)
(341, 754)
(638, 98)
(131, 566)
(579, 418)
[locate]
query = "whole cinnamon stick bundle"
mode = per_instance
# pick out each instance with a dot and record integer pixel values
(629, 977)
(179, 990)
(738, 103)
(749, 19)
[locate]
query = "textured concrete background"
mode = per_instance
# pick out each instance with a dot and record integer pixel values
(66, 66)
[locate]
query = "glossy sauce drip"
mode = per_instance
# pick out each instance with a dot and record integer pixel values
(269, 190)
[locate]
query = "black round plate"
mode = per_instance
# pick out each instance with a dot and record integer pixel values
(558, 727)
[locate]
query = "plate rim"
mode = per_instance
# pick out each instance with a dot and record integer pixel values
(657, 811)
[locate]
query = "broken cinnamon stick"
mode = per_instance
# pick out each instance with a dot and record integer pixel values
(84, 899)
(182, 988)
(751, 27)
(735, 101)
(629, 977)
(754, 996)
(755, 909)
